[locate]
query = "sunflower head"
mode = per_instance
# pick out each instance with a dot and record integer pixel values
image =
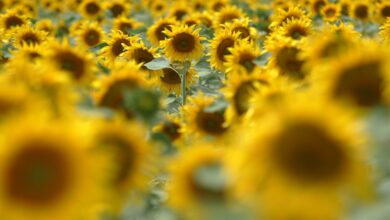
(125, 25)
(90, 34)
(156, 33)
(11, 19)
(91, 8)
(220, 48)
(228, 14)
(26, 35)
(361, 10)
(331, 12)
(140, 53)
(242, 57)
(169, 80)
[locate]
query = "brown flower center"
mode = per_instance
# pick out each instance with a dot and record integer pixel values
(228, 17)
(116, 10)
(179, 14)
(30, 38)
(125, 27)
(171, 129)
(385, 11)
(71, 63)
(246, 61)
(170, 76)
(243, 32)
(223, 48)
(363, 84)
(92, 37)
(92, 8)
(117, 47)
(296, 32)
(13, 21)
(318, 5)
(159, 31)
(361, 12)
(184, 42)
(211, 122)
(141, 55)
(38, 175)
(308, 153)
(243, 94)
(290, 64)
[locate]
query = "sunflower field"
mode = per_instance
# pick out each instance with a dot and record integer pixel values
(195, 110)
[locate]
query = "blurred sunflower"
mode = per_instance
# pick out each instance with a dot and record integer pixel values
(91, 9)
(183, 43)
(383, 11)
(170, 126)
(331, 12)
(242, 57)
(361, 10)
(29, 36)
(282, 16)
(125, 25)
(11, 19)
(156, 33)
(140, 53)
(117, 8)
(90, 34)
(227, 14)
(220, 47)
(170, 80)
(385, 31)
(244, 30)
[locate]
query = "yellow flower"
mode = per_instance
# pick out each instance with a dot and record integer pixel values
(155, 33)
(91, 9)
(242, 57)
(139, 53)
(244, 30)
(158, 8)
(179, 11)
(385, 31)
(317, 5)
(11, 19)
(299, 155)
(183, 43)
(383, 11)
(117, 8)
(219, 48)
(45, 25)
(361, 10)
(125, 25)
(282, 16)
(170, 126)
(295, 29)
(90, 34)
(331, 12)
(169, 80)
(217, 5)
(226, 15)
(46, 167)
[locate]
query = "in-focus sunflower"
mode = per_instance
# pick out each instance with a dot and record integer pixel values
(90, 34)
(191, 192)
(360, 77)
(11, 19)
(220, 47)
(295, 29)
(331, 12)
(91, 8)
(26, 35)
(110, 89)
(169, 80)
(116, 46)
(300, 155)
(74, 62)
(45, 168)
(156, 33)
(130, 158)
(183, 43)
(202, 122)
(125, 25)
(242, 57)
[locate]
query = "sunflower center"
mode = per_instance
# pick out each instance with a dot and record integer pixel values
(92, 37)
(71, 63)
(307, 153)
(184, 42)
(171, 129)
(179, 14)
(242, 96)
(228, 17)
(363, 83)
(288, 61)
(117, 47)
(330, 12)
(30, 38)
(34, 55)
(116, 10)
(190, 23)
(361, 12)
(37, 175)
(297, 32)
(123, 157)
(208, 181)
(223, 48)
(13, 21)
(170, 76)
(125, 27)
(246, 61)
(92, 8)
(159, 31)
(142, 56)
(385, 11)
(114, 96)
(243, 32)
(218, 6)
(318, 5)
(211, 122)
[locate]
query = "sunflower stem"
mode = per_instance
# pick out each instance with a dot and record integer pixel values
(183, 73)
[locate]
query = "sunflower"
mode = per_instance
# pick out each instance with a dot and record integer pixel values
(11, 19)
(158, 8)
(220, 47)
(282, 16)
(130, 157)
(295, 29)
(156, 33)
(90, 34)
(360, 77)
(140, 53)
(91, 9)
(227, 14)
(239, 90)
(300, 155)
(30, 53)
(170, 126)
(125, 25)
(345, 7)
(45, 25)
(46, 168)
(110, 89)
(117, 8)
(29, 36)
(385, 31)
(170, 80)
(183, 43)
(179, 11)
(317, 5)
(244, 30)
(190, 190)
(217, 5)
(331, 12)
(361, 10)
(242, 57)
(116, 46)
(383, 11)
(202, 122)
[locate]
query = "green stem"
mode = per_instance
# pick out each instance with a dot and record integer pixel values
(183, 73)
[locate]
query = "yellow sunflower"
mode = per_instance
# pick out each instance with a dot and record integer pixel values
(183, 43)
(11, 19)
(45, 25)
(361, 10)
(156, 33)
(116, 46)
(191, 191)
(382, 10)
(227, 14)
(244, 30)
(170, 126)
(220, 47)
(30, 53)
(74, 62)
(300, 155)
(217, 5)
(158, 8)
(110, 89)
(169, 80)
(140, 53)
(90, 34)
(295, 29)
(331, 12)
(242, 57)
(91, 8)
(47, 171)
(385, 31)
(125, 25)
(117, 8)
(282, 16)
(179, 11)
(317, 5)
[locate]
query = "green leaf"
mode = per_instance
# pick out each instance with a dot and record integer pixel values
(158, 64)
